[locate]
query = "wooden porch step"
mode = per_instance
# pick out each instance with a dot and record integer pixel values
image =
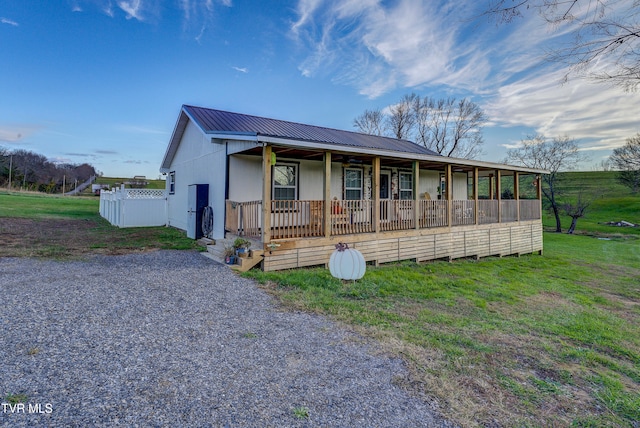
(246, 263)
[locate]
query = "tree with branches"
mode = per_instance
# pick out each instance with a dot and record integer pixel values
(370, 122)
(449, 127)
(401, 118)
(626, 160)
(555, 155)
(605, 35)
(576, 209)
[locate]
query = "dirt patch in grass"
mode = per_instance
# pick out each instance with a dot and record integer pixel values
(68, 239)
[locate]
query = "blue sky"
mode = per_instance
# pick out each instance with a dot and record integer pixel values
(102, 81)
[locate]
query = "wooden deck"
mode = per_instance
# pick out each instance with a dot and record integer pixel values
(440, 229)
(417, 244)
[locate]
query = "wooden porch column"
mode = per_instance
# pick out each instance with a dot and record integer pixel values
(449, 184)
(539, 192)
(375, 188)
(499, 196)
(416, 196)
(476, 175)
(516, 193)
(327, 195)
(266, 194)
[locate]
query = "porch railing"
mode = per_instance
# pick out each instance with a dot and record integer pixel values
(300, 219)
(349, 216)
(487, 211)
(244, 218)
(396, 215)
(433, 213)
(297, 219)
(463, 212)
(529, 209)
(508, 210)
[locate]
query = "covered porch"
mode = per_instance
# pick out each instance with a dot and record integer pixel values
(424, 201)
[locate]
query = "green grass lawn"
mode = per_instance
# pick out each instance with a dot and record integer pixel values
(546, 340)
(537, 340)
(38, 206)
(39, 225)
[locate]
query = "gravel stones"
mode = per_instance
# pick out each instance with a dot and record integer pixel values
(171, 338)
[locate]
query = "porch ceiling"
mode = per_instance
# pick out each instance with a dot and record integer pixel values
(363, 159)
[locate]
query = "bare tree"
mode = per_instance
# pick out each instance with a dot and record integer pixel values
(556, 156)
(401, 117)
(604, 32)
(450, 127)
(576, 209)
(370, 122)
(626, 160)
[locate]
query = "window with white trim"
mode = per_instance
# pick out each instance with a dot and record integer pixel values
(353, 184)
(285, 182)
(406, 185)
(172, 182)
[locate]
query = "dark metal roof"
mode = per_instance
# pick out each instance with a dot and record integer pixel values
(212, 121)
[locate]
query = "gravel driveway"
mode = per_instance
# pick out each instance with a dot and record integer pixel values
(171, 338)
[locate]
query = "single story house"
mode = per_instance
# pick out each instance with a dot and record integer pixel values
(297, 190)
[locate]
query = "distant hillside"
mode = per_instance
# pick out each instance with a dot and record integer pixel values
(611, 202)
(117, 181)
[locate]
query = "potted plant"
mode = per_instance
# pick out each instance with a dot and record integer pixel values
(241, 246)
(229, 255)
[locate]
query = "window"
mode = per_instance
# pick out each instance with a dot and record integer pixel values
(285, 182)
(406, 185)
(172, 182)
(353, 184)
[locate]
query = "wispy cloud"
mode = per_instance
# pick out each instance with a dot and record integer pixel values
(133, 9)
(599, 118)
(9, 22)
(17, 133)
(378, 47)
(107, 152)
(241, 69)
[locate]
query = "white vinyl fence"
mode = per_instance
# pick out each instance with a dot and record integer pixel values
(134, 207)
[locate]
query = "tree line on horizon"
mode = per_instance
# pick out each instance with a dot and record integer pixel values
(26, 170)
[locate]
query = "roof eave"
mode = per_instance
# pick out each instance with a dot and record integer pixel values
(397, 154)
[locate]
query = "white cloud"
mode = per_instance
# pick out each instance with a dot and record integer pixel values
(241, 70)
(600, 117)
(378, 47)
(9, 22)
(305, 9)
(133, 8)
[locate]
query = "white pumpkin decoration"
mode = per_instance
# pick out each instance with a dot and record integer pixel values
(347, 263)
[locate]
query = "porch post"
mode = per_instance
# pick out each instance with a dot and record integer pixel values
(376, 194)
(499, 196)
(327, 194)
(266, 194)
(516, 193)
(416, 196)
(449, 184)
(475, 193)
(539, 192)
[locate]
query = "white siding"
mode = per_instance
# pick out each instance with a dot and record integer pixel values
(460, 186)
(198, 161)
(429, 182)
(245, 178)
